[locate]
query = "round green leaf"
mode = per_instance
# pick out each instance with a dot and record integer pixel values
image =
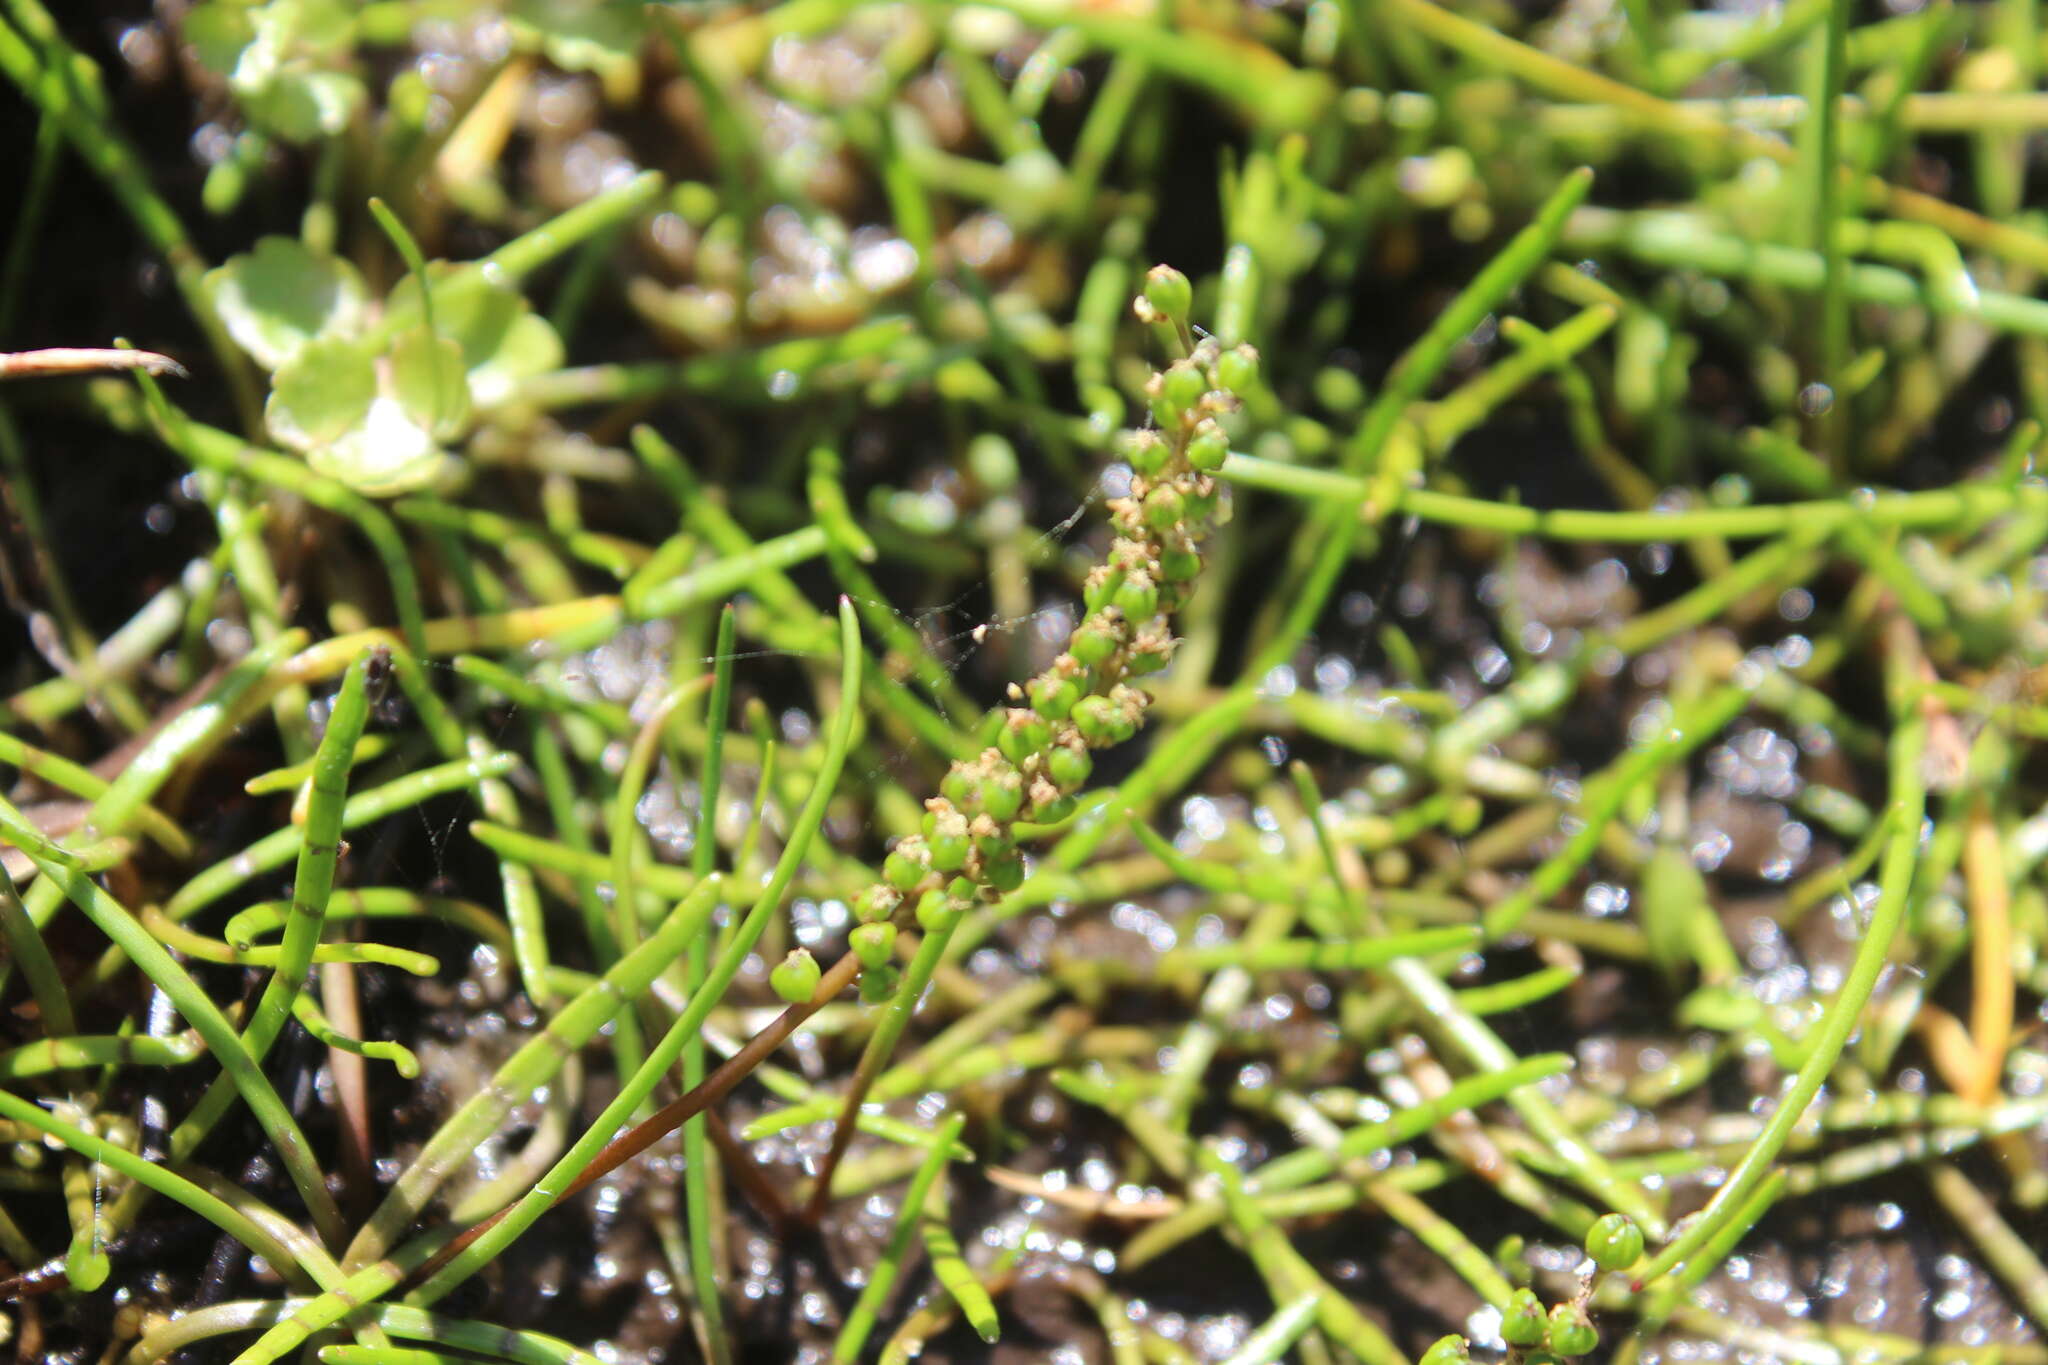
(303, 106)
(385, 455)
(218, 32)
(585, 35)
(429, 383)
(324, 392)
(280, 296)
(502, 340)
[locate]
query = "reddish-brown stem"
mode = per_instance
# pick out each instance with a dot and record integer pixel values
(674, 1114)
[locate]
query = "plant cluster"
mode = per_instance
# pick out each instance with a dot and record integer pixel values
(1583, 593)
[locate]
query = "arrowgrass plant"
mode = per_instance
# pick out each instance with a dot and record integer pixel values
(691, 713)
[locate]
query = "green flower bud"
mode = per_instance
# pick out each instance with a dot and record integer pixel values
(1571, 1332)
(1207, 447)
(1053, 696)
(992, 846)
(873, 944)
(961, 890)
(1164, 508)
(1450, 1350)
(1614, 1241)
(796, 977)
(1138, 598)
(1165, 411)
(877, 984)
(1522, 1323)
(1184, 385)
(906, 865)
(1237, 369)
(956, 786)
(1068, 767)
(1169, 291)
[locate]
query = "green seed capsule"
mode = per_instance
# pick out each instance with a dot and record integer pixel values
(1169, 291)
(956, 786)
(948, 851)
(1571, 1333)
(1164, 508)
(1069, 767)
(1146, 452)
(961, 890)
(1138, 598)
(1450, 1350)
(877, 984)
(1024, 734)
(1013, 746)
(932, 907)
(1053, 696)
(1237, 369)
(1005, 874)
(1002, 796)
(905, 866)
(1179, 566)
(875, 903)
(1101, 590)
(1207, 450)
(1095, 718)
(1123, 719)
(873, 944)
(1523, 1322)
(796, 977)
(1143, 661)
(1614, 1241)
(1183, 386)
(1094, 642)
(1055, 810)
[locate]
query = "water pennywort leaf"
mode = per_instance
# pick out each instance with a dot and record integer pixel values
(323, 392)
(386, 455)
(301, 106)
(427, 380)
(584, 35)
(330, 403)
(282, 295)
(503, 341)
